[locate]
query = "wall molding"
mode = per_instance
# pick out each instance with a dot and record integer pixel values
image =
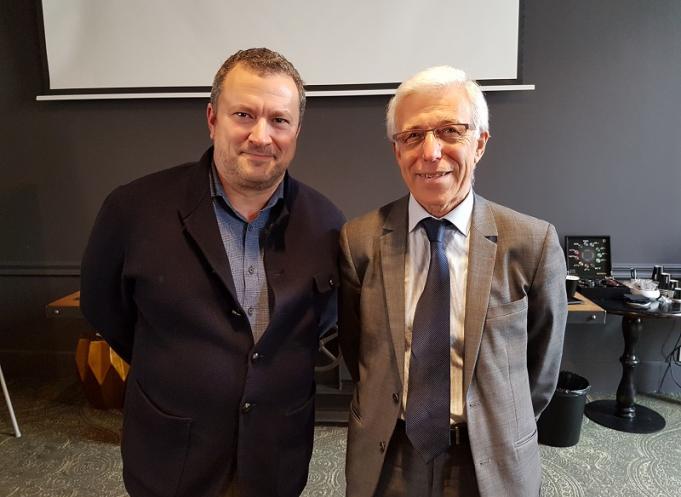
(40, 269)
(620, 270)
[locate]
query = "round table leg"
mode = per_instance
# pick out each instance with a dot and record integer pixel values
(624, 414)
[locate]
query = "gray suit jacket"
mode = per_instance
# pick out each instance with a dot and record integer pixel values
(516, 310)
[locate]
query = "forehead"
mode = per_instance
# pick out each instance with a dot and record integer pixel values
(245, 86)
(433, 107)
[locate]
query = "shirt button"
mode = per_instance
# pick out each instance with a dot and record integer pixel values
(249, 227)
(236, 313)
(250, 311)
(332, 283)
(251, 270)
(396, 398)
(256, 357)
(246, 407)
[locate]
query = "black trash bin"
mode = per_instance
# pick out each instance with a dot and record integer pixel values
(561, 422)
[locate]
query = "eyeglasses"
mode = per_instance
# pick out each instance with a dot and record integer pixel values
(448, 133)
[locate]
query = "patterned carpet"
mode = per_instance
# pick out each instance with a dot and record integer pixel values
(69, 449)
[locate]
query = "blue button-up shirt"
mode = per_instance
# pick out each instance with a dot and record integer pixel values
(245, 253)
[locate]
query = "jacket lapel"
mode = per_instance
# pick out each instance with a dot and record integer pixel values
(393, 253)
(481, 256)
(200, 225)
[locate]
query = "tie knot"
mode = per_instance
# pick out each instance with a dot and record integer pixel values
(435, 229)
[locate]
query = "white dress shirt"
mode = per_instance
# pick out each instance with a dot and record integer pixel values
(417, 261)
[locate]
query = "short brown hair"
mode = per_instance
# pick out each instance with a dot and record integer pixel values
(263, 61)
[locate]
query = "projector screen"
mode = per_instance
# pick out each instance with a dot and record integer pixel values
(172, 45)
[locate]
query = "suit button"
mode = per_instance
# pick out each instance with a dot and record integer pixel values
(332, 283)
(247, 407)
(256, 357)
(396, 398)
(381, 446)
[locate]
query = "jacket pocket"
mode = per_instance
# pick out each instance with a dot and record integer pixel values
(506, 309)
(296, 433)
(154, 444)
(354, 411)
(325, 299)
(526, 439)
(325, 281)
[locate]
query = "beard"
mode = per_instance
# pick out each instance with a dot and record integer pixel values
(272, 178)
(244, 176)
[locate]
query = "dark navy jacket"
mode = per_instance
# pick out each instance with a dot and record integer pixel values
(201, 397)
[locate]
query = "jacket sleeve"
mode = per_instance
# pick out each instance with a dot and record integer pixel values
(547, 315)
(348, 318)
(106, 296)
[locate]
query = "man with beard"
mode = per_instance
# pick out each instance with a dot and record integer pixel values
(214, 280)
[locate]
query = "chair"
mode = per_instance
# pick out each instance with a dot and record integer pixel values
(15, 425)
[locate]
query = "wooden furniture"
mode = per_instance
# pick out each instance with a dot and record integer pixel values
(101, 371)
(66, 307)
(585, 313)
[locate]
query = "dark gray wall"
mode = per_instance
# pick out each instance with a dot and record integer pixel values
(595, 149)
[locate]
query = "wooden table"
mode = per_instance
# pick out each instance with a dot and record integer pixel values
(67, 307)
(101, 371)
(585, 313)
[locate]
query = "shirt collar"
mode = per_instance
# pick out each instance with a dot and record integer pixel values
(217, 191)
(460, 216)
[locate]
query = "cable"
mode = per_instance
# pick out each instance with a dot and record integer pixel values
(671, 360)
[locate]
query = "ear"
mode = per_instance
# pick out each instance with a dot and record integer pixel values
(480, 145)
(211, 118)
(396, 151)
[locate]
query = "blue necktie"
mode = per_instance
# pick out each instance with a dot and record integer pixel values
(427, 416)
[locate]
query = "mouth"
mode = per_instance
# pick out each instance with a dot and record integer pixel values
(257, 155)
(435, 175)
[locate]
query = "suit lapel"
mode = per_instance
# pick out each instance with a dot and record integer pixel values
(198, 217)
(393, 253)
(481, 256)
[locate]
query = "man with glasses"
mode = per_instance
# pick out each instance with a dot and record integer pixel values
(453, 314)
(214, 280)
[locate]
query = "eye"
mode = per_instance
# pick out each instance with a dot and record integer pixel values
(451, 132)
(412, 136)
(281, 121)
(242, 116)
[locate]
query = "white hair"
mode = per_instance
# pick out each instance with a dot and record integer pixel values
(438, 78)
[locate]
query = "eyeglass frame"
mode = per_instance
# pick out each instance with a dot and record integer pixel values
(468, 127)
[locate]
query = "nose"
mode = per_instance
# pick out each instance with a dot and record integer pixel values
(260, 134)
(432, 149)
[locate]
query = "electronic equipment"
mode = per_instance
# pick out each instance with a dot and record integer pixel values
(589, 258)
